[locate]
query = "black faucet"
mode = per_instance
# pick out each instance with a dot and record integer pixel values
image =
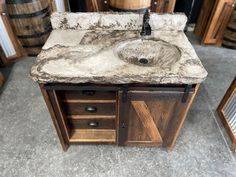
(146, 28)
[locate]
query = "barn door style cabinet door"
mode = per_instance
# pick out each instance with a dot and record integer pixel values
(122, 115)
(151, 118)
(212, 20)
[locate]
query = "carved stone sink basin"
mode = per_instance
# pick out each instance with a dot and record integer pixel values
(148, 52)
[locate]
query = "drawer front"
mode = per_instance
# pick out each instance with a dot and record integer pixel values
(90, 108)
(92, 123)
(87, 95)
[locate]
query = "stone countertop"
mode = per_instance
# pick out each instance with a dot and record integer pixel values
(87, 55)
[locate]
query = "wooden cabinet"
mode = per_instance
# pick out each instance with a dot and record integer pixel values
(139, 115)
(152, 118)
(212, 20)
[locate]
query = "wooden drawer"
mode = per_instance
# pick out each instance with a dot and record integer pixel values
(92, 123)
(93, 136)
(73, 96)
(90, 108)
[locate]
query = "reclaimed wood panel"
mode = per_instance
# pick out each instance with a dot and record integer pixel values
(147, 120)
(229, 122)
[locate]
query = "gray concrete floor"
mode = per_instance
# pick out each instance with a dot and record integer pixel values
(29, 145)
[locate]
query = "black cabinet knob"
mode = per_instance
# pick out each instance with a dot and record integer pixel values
(91, 109)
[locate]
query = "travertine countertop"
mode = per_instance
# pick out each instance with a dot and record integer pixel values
(81, 47)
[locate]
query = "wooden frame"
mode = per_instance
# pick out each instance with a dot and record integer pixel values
(228, 95)
(212, 20)
(53, 6)
(16, 44)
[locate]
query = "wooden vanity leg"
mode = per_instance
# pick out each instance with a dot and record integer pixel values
(64, 143)
(184, 115)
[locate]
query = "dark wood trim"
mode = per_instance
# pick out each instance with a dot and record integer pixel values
(63, 140)
(16, 44)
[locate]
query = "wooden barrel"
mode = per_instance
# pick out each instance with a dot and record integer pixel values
(130, 5)
(229, 39)
(31, 23)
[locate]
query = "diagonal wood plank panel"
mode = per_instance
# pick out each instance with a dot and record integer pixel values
(147, 120)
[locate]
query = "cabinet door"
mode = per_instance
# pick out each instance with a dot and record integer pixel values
(152, 118)
(218, 20)
(10, 48)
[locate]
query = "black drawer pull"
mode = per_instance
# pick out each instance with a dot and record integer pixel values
(88, 92)
(91, 109)
(93, 124)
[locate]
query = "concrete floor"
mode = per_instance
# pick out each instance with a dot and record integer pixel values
(30, 147)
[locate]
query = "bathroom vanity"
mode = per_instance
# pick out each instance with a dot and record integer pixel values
(104, 83)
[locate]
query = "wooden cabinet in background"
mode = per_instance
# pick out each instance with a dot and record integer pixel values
(212, 20)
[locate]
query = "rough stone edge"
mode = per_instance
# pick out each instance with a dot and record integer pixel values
(111, 21)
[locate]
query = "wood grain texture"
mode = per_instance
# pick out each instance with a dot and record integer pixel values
(162, 106)
(61, 113)
(80, 108)
(64, 142)
(85, 123)
(89, 101)
(163, 6)
(229, 37)
(86, 95)
(93, 136)
(16, 44)
(182, 111)
(220, 14)
(220, 108)
(36, 28)
(91, 116)
(130, 4)
(147, 121)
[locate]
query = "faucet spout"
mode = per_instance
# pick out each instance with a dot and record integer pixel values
(146, 28)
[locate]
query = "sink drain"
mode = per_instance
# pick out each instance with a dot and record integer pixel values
(143, 60)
